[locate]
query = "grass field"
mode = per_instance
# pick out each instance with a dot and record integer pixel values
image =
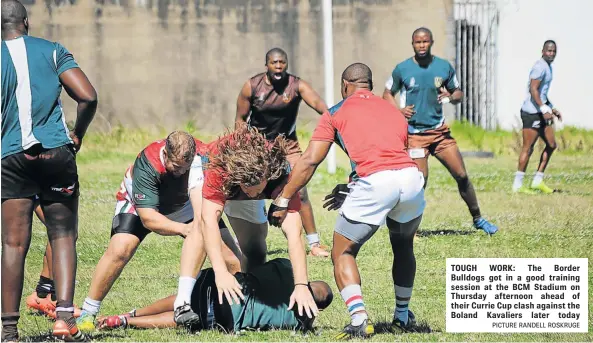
(557, 225)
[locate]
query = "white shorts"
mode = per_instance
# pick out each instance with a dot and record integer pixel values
(397, 194)
(253, 211)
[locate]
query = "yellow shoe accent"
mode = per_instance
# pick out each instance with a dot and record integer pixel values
(543, 188)
(86, 322)
(525, 190)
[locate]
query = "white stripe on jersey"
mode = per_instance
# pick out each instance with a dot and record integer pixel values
(18, 53)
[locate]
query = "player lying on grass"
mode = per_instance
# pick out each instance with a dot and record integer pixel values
(242, 169)
(267, 304)
(161, 193)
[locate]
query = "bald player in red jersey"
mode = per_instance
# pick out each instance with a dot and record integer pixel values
(270, 102)
(386, 188)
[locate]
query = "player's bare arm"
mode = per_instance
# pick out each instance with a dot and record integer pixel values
(534, 91)
(296, 252)
(299, 177)
(243, 105)
(225, 282)
(311, 97)
(454, 95)
(389, 96)
(407, 111)
(158, 223)
(80, 89)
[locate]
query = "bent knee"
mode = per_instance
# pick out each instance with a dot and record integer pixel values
(462, 178)
(120, 252)
(552, 146)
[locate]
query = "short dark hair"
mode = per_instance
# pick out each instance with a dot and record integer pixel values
(358, 73)
(422, 29)
(276, 51)
(13, 14)
(549, 41)
(322, 294)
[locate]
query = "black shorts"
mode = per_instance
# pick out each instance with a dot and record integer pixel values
(204, 302)
(50, 174)
(132, 224)
(535, 121)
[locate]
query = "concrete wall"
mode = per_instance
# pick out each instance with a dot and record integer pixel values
(169, 62)
(524, 26)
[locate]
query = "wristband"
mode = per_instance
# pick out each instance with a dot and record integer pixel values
(281, 202)
(545, 109)
(301, 284)
(446, 100)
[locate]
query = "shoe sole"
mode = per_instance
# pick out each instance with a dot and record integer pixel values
(368, 332)
(66, 336)
(190, 322)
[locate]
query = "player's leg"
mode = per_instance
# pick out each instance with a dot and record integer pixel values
(127, 233)
(403, 222)
(19, 186)
(403, 272)
(449, 155)
(530, 132)
(62, 229)
(307, 216)
(250, 224)
(161, 320)
(550, 139)
(193, 256)
(159, 306)
(156, 321)
(16, 237)
(370, 199)
(150, 314)
(347, 275)
(59, 203)
(43, 298)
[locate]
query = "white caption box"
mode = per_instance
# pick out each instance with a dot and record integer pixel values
(517, 295)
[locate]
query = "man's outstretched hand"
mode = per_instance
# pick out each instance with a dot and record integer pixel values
(336, 198)
(277, 211)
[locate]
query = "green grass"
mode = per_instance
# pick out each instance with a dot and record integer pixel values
(558, 225)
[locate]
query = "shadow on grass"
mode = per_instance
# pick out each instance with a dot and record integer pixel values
(386, 327)
(47, 337)
(428, 233)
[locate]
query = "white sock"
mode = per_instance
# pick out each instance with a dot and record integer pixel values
(91, 306)
(313, 238)
(186, 286)
(352, 295)
(537, 179)
(518, 180)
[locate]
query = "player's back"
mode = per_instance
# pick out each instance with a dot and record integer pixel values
(31, 108)
(372, 132)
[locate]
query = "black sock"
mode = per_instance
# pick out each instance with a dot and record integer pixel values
(68, 314)
(9, 326)
(45, 286)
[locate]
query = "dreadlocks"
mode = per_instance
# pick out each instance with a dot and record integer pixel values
(246, 158)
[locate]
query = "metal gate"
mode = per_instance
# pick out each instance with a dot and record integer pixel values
(476, 28)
